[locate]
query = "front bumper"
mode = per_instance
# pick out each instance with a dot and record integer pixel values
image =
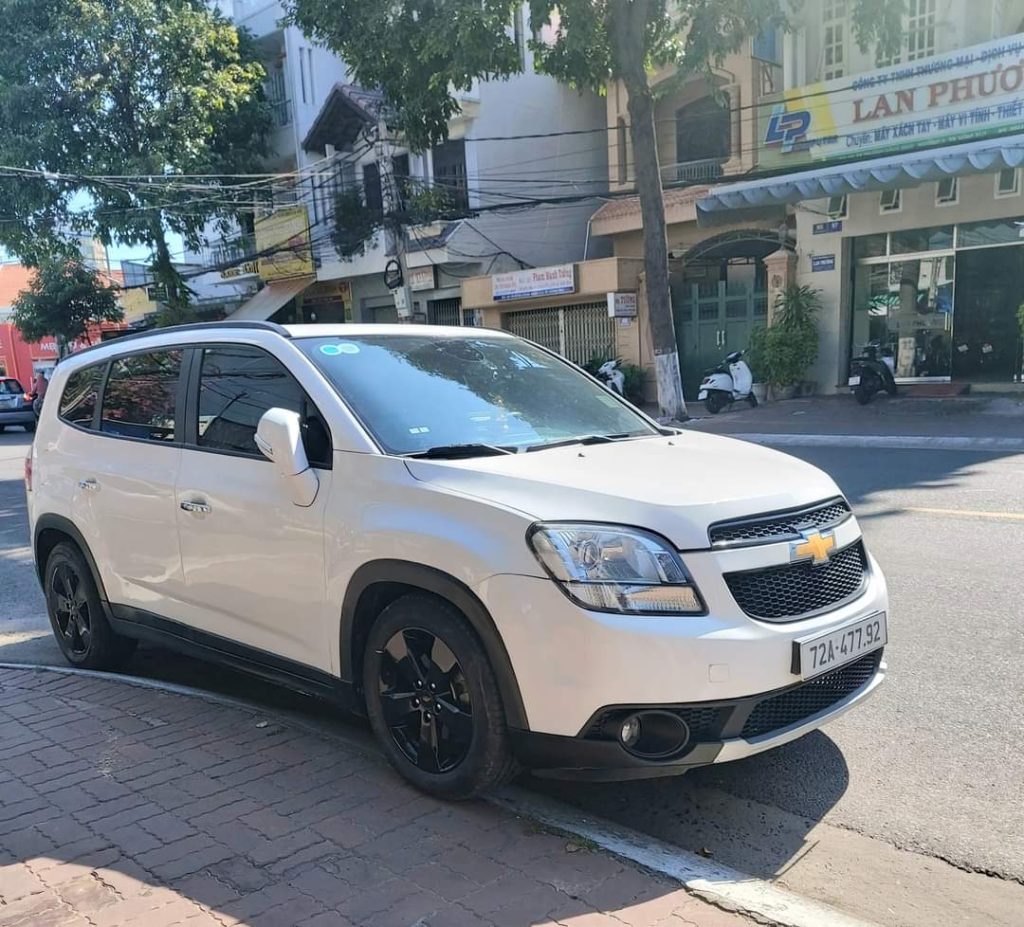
(22, 416)
(585, 757)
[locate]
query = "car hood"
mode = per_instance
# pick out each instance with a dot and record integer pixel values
(676, 486)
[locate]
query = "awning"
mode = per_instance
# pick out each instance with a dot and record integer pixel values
(271, 298)
(898, 170)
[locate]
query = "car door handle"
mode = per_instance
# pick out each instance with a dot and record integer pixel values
(196, 508)
(89, 485)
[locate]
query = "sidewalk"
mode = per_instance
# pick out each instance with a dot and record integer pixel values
(124, 805)
(990, 418)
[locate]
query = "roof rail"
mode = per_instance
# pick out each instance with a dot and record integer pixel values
(190, 327)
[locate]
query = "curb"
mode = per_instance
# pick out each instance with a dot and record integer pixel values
(712, 882)
(892, 442)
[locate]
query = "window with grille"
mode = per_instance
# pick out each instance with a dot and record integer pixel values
(834, 25)
(579, 332)
(450, 171)
(920, 29)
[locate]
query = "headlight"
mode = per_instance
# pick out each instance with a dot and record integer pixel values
(606, 568)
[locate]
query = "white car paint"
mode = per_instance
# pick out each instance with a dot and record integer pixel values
(261, 571)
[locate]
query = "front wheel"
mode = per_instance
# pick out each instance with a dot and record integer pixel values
(716, 401)
(76, 613)
(433, 701)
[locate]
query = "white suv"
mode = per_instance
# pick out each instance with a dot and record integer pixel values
(456, 531)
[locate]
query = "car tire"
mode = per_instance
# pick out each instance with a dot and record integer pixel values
(453, 745)
(77, 615)
(29, 427)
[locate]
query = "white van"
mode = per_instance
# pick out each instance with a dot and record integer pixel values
(457, 532)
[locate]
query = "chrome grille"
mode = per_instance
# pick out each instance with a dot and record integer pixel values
(796, 590)
(782, 526)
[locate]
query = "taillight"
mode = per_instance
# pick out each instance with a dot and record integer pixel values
(28, 472)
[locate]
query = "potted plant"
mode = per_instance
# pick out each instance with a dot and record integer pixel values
(789, 345)
(758, 364)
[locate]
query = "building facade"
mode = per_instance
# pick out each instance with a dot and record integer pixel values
(902, 179)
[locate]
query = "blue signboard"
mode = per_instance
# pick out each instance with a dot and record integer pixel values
(828, 228)
(823, 262)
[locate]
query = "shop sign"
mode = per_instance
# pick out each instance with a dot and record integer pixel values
(971, 93)
(249, 267)
(534, 283)
(422, 278)
(283, 239)
(828, 228)
(622, 305)
(820, 262)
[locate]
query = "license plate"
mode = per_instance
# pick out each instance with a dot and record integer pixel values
(813, 656)
(853, 381)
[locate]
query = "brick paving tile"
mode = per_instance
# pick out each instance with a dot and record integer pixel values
(127, 806)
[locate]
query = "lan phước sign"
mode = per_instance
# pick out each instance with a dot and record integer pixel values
(971, 93)
(534, 283)
(820, 262)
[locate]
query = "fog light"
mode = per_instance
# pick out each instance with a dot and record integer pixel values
(629, 733)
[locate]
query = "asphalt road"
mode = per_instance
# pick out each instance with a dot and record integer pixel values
(909, 811)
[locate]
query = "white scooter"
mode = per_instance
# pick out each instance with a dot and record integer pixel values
(610, 374)
(729, 382)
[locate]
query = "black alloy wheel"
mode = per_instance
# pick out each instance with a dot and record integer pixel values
(77, 615)
(425, 700)
(71, 609)
(433, 700)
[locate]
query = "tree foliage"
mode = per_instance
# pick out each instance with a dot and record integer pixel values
(64, 300)
(122, 88)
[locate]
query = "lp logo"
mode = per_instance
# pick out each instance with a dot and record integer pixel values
(787, 128)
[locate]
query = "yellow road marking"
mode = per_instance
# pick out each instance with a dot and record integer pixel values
(968, 513)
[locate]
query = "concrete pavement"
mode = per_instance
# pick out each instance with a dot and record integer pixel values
(123, 805)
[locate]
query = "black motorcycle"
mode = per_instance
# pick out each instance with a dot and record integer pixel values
(871, 373)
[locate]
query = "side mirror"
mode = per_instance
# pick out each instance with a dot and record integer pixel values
(279, 439)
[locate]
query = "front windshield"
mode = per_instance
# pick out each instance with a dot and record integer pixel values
(416, 392)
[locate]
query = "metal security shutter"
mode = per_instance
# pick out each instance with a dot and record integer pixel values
(576, 332)
(444, 311)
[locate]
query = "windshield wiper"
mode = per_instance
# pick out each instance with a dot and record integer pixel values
(584, 439)
(453, 451)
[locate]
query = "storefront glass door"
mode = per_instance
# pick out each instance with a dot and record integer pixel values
(986, 337)
(906, 306)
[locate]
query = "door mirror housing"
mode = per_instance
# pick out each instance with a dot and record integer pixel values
(279, 439)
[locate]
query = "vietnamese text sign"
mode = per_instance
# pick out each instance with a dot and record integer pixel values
(533, 283)
(821, 262)
(622, 305)
(282, 240)
(971, 93)
(421, 278)
(828, 228)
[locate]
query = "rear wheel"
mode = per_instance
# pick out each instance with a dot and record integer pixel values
(716, 401)
(433, 701)
(867, 388)
(76, 613)
(752, 400)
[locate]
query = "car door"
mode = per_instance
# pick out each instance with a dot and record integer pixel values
(128, 482)
(253, 560)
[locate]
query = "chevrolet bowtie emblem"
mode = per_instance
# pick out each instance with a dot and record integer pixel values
(815, 546)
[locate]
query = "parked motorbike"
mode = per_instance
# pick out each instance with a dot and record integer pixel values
(729, 382)
(610, 374)
(872, 372)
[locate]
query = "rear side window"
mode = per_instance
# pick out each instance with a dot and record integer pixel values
(140, 398)
(78, 403)
(237, 385)
(10, 387)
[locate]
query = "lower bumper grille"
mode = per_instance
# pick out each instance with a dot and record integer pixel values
(809, 698)
(712, 722)
(794, 591)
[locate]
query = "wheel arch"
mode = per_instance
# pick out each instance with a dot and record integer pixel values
(378, 583)
(51, 530)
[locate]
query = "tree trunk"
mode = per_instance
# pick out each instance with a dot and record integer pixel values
(177, 308)
(629, 23)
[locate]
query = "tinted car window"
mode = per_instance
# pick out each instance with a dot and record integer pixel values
(140, 396)
(237, 385)
(12, 387)
(78, 403)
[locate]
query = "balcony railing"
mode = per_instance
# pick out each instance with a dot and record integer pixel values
(706, 171)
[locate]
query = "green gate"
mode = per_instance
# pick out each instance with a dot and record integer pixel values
(712, 319)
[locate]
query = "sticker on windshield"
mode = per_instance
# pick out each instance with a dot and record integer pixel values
(333, 350)
(419, 430)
